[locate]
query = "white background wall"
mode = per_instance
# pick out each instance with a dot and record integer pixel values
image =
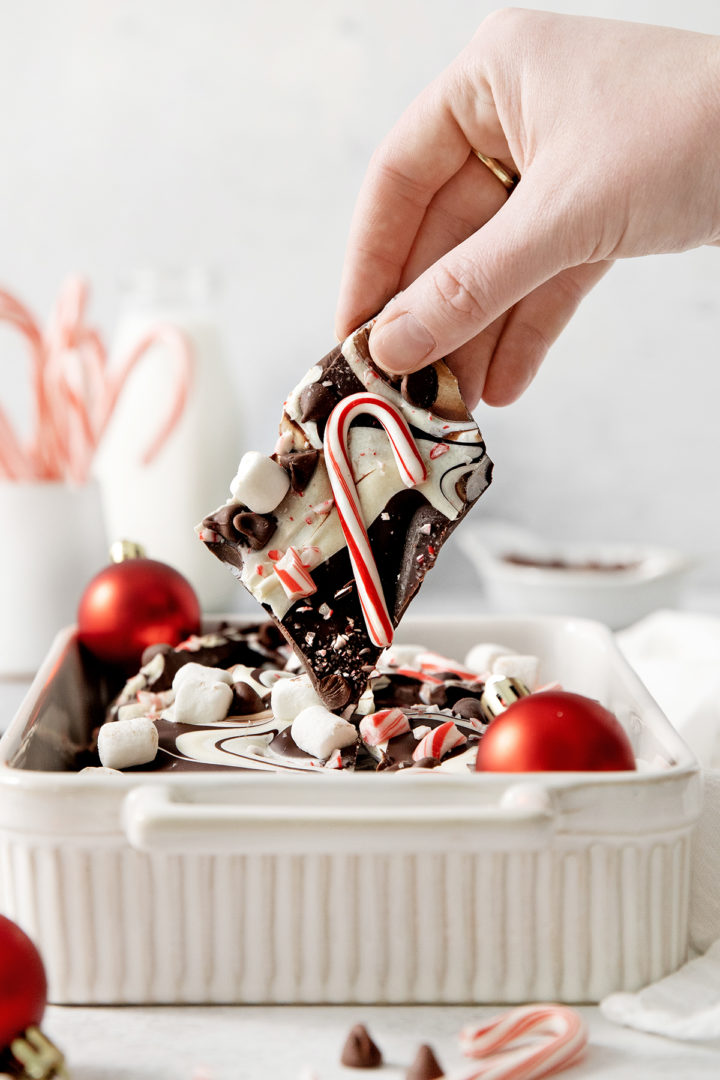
(235, 135)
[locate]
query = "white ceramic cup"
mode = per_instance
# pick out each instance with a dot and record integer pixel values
(52, 541)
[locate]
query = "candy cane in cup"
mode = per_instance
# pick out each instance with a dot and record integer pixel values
(337, 459)
(73, 393)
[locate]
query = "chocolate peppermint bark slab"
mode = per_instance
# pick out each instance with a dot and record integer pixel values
(334, 532)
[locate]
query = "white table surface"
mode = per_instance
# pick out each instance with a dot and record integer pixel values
(295, 1043)
(299, 1042)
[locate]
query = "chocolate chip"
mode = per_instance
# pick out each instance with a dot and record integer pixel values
(301, 465)
(335, 691)
(330, 357)
(317, 402)
(359, 1051)
(245, 700)
(254, 529)
(469, 709)
(434, 695)
(269, 636)
(420, 387)
(425, 1066)
(221, 522)
(426, 763)
(152, 651)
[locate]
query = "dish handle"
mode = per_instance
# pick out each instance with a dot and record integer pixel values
(158, 819)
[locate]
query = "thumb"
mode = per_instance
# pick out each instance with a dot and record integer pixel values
(521, 247)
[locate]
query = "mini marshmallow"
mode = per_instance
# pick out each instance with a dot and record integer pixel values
(317, 731)
(482, 656)
(200, 673)
(516, 666)
(123, 743)
(260, 483)
(130, 711)
(401, 655)
(289, 697)
(199, 702)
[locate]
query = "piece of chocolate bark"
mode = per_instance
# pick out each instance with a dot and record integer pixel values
(335, 531)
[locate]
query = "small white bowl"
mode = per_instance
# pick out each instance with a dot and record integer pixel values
(616, 584)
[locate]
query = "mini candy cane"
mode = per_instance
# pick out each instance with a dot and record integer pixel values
(378, 727)
(421, 676)
(551, 1037)
(295, 578)
(412, 470)
(439, 742)
(430, 662)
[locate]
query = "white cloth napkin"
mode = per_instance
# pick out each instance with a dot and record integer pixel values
(685, 1005)
(677, 655)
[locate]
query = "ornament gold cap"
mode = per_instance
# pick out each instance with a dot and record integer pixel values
(499, 693)
(122, 550)
(34, 1057)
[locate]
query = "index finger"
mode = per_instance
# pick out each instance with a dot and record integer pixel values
(422, 152)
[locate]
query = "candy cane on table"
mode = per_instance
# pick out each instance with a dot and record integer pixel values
(176, 339)
(412, 471)
(549, 1037)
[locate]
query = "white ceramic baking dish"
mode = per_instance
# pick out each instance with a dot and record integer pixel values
(217, 887)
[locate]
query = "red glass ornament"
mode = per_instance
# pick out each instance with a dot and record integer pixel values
(554, 730)
(134, 603)
(23, 986)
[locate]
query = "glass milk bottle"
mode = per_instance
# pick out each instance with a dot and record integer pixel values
(159, 504)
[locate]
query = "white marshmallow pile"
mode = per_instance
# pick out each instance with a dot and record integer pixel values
(318, 732)
(260, 483)
(123, 743)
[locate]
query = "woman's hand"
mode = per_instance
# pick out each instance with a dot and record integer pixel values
(614, 129)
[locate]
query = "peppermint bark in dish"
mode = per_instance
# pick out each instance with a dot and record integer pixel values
(335, 532)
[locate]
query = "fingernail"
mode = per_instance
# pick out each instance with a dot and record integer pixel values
(401, 344)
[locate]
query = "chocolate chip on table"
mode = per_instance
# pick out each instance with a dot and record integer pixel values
(317, 402)
(301, 465)
(420, 387)
(359, 1051)
(425, 1066)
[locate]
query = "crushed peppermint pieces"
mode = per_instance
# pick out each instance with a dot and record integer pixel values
(379, 727)
(439, 742)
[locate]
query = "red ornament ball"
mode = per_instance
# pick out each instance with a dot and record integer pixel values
(23, 986)
(134, 603)
(554, 730)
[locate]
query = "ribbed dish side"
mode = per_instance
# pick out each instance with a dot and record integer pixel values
(117, 926)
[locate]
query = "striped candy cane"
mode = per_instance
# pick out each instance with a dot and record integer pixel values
(412, 470)
(551, 1036)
